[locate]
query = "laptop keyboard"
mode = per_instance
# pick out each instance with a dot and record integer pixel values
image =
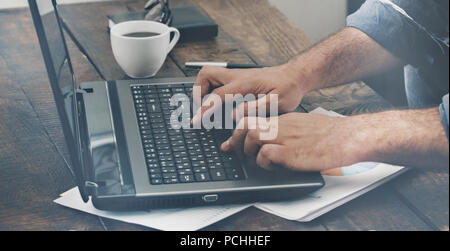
(179, 156)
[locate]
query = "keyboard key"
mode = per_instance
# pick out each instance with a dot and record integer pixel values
(156, 181)
(151, 171)
(159, 131)
(161, 139)
(200, 169)
(150, 156)
(153, 166)
(177, 143)
(218, 175)
(170, 175)
(156, 120)
(150, 150)
(165, 158)
(150, 91)
(178, 90)
(171, 181)
(179, 148)
(197, 158)
(215, 165)
(152, 161)
(167, 163)
(198, 163)
(202, 177)
(156, 116)
(185, 171)
(154, 108)
(174, 132)
(151, 96)
(151, 101)
(186, 178)
(146, 132)
(182, 160)
(168, 169)
(146, 136)
(164, 153)
(195, 152)
(183, 165)
(163, 147)
(180, 154)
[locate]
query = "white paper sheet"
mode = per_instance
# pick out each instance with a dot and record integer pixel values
(187, 219)
(337, 191)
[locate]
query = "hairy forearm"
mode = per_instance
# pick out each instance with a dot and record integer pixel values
(414, 138)
(348, 56)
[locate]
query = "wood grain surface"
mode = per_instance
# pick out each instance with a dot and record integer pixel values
(32, 147)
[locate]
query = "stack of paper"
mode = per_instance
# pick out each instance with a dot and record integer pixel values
(337, 191)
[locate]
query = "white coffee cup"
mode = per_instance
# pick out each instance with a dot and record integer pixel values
(142, 57)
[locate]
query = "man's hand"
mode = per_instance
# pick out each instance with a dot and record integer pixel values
(308, 142)
(305, 142)
(272, 80)
(345, 57)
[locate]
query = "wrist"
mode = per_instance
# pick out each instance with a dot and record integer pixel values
(358, 146)
(410, 138)
(299, 76)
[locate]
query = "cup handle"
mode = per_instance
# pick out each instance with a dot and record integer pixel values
(175, 38)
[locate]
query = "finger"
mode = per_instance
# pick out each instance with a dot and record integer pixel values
(226, 147)
(211, 77)
(237, 140)
(252, 140)
(270, 155)
(259, 107)
(252, 143)
(208, 106)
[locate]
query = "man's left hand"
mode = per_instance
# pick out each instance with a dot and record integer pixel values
(305, 142)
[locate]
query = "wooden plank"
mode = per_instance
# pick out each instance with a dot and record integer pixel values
(379, 210)
(88, 26)
(426, 192)
(33, 173)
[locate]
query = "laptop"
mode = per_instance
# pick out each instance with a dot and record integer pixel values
(125, 155)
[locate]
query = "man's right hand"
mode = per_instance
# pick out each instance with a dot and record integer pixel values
(271, 80)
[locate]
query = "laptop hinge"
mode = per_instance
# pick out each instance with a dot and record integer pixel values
(90, 187)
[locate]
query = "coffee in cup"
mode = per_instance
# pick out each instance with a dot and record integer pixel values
(141, 47)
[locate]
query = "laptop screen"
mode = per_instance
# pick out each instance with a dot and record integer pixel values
(60, 73)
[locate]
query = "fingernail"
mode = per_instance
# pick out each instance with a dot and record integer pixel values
(225, 146)
(195, 119)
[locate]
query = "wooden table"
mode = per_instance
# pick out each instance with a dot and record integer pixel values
(32, 166)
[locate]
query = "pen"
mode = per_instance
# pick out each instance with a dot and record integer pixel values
(221, 64)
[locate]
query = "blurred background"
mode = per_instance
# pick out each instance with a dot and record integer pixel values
(318, 19)
(303, 13)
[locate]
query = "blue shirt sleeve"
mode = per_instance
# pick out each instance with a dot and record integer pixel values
(413, 30)
(443, 109)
